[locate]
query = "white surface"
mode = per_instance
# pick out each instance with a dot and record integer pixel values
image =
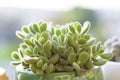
(111, 71)
(61, 4)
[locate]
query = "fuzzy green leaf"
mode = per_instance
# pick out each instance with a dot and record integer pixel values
(90, 42)
(30, 60)
(59, 67)
(85, 27)
(48, 54)
(94, 52)
(61, 49)
(23, 46)
(15, 63)
(71, 41)
(71, 57)
(50, 68)
(87, 36)
(20, 35)
(28, 52)
(34, 68)
(58, 32)
(106, 55)
(45, 35)
(28, 42)
(64, 30)
(31, 29)
(15, 55)
(76, 66)
(68, 68)
(82, 41)
(40, 63)
(39, 72)
(47, 46)
(71, 28)
(44, 59)
(99, 62)
(78, 26)
(25, 29)
(54, 59)
(63, 61)
(35, 51)
(43, 27)
(35, 26)
(83, 56)
(41, 40)
(44, 67)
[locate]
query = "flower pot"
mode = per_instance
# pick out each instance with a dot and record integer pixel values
(111, 71)
(3, 75)
(94, 74)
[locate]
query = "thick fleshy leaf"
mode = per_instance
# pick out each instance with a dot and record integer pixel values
(44, 67)
(25, 29)
(94, 52)
(41, 40)
(71, 28)
(63, 61)
(82, 41)
(76, 66)
(23, 46)
(89, 65)
(99, 62)
(106, 55)
(15, 63)
(50, 68)
(58, 67)
(43, 27)
(71, 41)
(45, 35)
(30, 60)
(35, 26)
(35, 51)
(20, 35)
(58, 32)
(83, 56)
(33, 68)
(40, 63)
(61, 49)
(28, 42)
(39, 72)
(44, 59)
(31, 29)
(48, 54)
(90, 42)
(47, 46)
(28, 52)
(71, 57)
(15, 55)
(68, 68)
(64, 30)
(54, 59)
(78, 26)
(98, 46)
(85, 27)
(87, 36)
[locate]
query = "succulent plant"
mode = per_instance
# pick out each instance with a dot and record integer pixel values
(113, 45)
(61, 48)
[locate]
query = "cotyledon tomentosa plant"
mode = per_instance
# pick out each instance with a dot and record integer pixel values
(68, 48)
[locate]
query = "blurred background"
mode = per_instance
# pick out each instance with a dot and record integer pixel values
(105, 21)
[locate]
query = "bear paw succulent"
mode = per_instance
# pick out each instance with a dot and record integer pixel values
(63, 48)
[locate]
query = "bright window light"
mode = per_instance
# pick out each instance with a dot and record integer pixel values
(61, 4)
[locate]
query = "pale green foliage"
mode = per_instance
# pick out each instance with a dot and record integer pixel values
(65, 48)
